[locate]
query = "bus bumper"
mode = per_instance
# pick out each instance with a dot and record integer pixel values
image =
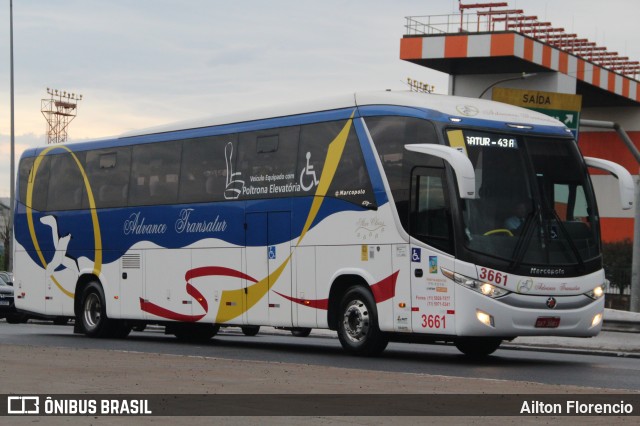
(479, 315)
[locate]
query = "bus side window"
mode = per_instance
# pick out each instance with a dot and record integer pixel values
(108, 172)
(203, 171)
(40, 185)
(266, 162)
(154, 174)
(351, 180)
(390, 134)
(66, 186)
(25, 169)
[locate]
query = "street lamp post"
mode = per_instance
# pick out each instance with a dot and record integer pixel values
(13, 144)
(520, 77)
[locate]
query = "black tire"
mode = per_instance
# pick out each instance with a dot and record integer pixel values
(17, 318)
(119, 329)
(250, 330)
(358, 329)
(301, 331)
(92, 315)
(61, 320)
(194, 333)
(478, 347)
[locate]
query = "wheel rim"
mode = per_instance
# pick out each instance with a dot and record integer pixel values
(356, 321)
(92, 311)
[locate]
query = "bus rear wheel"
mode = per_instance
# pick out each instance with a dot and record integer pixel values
(478, 347)
(193, 333)
(92, 315)
(301, 331)
(250, 330)
(358, 329)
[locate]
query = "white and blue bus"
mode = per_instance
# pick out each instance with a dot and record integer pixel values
(384, 216)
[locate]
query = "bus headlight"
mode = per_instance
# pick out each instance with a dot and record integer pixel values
(481, 287)
(596, 320)
(485, 318)
(596, 293)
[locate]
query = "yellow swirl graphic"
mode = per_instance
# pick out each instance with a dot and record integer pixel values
(97, 265)
(231, 305)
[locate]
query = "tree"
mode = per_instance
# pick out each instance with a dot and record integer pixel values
(4, 236)
(616, 259)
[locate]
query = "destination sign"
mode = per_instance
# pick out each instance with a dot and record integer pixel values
(489, 140)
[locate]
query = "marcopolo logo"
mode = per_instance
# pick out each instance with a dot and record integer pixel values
(467, 110)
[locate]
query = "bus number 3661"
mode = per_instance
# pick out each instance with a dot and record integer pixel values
(493, 276)
(434, 321)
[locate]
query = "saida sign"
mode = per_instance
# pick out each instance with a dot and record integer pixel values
(561, 106)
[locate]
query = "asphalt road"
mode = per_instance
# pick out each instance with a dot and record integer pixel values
(548, 368)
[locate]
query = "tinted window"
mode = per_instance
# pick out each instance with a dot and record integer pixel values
(351, 180)
(203, 175)
(24, 175)
(266, 163)
(108, 171)
(390, 135)
(155, 173)
(66, 185)
(40, 182)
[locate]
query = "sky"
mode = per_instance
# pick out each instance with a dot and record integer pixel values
(142, 63)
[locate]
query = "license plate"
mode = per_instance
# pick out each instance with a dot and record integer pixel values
(547, 322)
(4, 303)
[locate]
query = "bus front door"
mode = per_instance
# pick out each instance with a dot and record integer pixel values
(267, 257)
(432, 294)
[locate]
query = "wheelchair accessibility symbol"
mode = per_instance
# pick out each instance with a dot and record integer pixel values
(416, 254)
(272, 252)
(308, 172)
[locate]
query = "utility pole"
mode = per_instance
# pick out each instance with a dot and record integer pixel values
(12, 183)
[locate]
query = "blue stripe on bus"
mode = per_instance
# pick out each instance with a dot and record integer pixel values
(167, 226)
(372, 166)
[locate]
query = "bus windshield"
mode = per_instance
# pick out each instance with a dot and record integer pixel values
(535, 205)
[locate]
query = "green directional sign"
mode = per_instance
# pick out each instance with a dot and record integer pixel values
(571, 119)
(561, 106)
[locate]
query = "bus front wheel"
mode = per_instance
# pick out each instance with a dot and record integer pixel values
(478, 347)
(358, 329)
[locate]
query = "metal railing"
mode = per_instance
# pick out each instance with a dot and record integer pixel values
(530, 26)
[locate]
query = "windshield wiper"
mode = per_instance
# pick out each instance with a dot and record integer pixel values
(572, 245)
(525, 236)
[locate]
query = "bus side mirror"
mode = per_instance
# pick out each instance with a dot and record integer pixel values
(465, 174)
(625, 181)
